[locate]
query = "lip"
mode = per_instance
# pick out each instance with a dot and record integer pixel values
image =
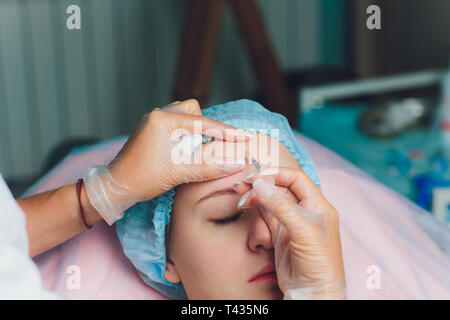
(267, 273)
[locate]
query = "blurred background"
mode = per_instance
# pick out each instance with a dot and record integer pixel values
(371, 95)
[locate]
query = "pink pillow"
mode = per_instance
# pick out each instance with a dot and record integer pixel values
(379, 228)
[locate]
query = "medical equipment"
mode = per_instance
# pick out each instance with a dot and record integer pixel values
(142, 230)
(207, 139)
(394, 117)
(189, 143)
(444, 114)
(256, 164)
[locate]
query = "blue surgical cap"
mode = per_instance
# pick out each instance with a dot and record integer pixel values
(142, 229)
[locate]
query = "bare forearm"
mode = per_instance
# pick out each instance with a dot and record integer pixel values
(53, 217)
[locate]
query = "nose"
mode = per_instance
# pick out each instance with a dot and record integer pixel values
(259, 236)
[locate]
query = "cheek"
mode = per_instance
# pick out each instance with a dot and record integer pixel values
(202, 250)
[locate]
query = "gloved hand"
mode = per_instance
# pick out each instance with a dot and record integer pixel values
(144, 167)
(305, 233)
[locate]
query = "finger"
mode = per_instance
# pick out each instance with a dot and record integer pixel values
(222, 151)
(270, 220)
(193, 107)
(203, 125)
(241, 187)
(212, 163)
(174, 107)
(287, 212)
(190, 106)
(294, 179)
(251, 200)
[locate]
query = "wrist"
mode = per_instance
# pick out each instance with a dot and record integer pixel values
(91, 214)
(108, 197)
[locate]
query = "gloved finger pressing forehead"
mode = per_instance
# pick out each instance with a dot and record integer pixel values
(271, 222)
(294, 179)
(249, 198)
(288, 212)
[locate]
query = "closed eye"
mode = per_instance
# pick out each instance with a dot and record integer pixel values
(229, 220)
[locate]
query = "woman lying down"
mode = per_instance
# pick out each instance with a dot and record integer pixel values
(214, 239)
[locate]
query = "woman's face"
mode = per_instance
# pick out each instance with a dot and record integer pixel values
(214, 248)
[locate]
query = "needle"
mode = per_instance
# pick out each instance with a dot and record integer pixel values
(207, 139)
(256, 164)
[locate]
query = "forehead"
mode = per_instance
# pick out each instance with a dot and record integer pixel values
(263, 150)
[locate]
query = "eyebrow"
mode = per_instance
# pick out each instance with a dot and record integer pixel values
(217, 193)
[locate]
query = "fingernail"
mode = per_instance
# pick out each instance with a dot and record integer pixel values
(253, 173)
(237, 183)
(264, 190)
(244, 198)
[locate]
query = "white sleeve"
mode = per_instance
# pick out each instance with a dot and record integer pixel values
(19, 276)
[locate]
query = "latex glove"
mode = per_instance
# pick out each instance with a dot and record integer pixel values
(144, 167)
(305, 233)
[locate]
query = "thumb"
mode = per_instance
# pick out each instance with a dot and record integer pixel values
(287, 211)
(215, 160)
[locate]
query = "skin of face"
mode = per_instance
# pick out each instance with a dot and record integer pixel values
(216, 260)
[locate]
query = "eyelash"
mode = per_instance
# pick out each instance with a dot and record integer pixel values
(232, 219)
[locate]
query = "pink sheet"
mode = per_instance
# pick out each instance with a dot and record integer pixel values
(378, 227)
